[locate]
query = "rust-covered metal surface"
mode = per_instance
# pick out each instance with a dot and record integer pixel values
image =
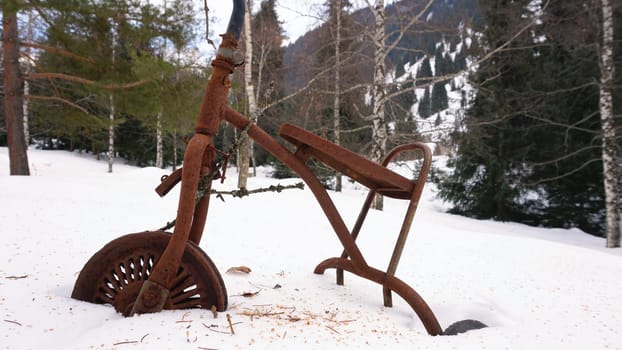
(150, 271)
(115, 275)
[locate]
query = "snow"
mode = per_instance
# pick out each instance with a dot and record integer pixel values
(535, 288)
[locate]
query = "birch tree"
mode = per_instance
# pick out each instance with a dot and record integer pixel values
(245, 144)
(379, 127)
(159, 161)
(609, 152)
(111, 114)
(27, 66)
(338, 8)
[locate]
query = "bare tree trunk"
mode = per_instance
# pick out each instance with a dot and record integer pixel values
(111, 114)
(27, 83)
(175, 150)
(111, 134)
(13, 94)
(245, 145)
(159, 162)
(26, 113)
(336, 102)
(379, 128)
(159, 154)
(610, 156)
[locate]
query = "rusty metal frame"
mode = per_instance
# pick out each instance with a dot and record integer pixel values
(377, 177)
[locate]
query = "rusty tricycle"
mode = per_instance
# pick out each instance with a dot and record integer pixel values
(149, 271)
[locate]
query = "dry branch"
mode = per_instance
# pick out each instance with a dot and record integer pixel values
(73, 78)
(14, 322)
(57, 99)
(230, 324)
(17, 277)
(58, 51)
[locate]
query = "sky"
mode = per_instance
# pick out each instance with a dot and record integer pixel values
(298, 16)
(535, 288)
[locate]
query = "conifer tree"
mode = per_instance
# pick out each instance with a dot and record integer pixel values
(530, 151)
(425, 105)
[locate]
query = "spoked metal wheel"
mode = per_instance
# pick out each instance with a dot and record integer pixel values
(116, 273)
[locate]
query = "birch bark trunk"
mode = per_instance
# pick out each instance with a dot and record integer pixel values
(610, 156)
(159, 154)
(245, 144)
(27, 83)
(112, 110)
(379, 128)
(111, 134)
(336, 102)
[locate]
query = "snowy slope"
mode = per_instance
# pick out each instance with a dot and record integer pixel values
(536, 288)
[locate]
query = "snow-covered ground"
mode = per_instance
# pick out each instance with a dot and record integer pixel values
(536, 288)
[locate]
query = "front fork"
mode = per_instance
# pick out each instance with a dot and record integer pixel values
(199, 160)
(191, 217)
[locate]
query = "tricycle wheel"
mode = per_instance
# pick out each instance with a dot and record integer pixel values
(116, 273)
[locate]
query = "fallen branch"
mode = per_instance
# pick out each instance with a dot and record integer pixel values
(211, 328)
(14, 322)
(332, 329)
(239, 269)
(183, 318)
(17, 277)
(256, 313)
(230, 324)
(249, 294)
(125, 342)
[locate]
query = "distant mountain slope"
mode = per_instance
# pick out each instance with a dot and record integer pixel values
(441, 38)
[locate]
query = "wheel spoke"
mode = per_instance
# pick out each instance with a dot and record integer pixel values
(106, 297)
(108, 287)
(144, 266)
(132, 274)
(190, 304)
(185, 295)
(182, 284)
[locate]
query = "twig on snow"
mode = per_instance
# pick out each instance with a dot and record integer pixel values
(230, 324)
(14, 322)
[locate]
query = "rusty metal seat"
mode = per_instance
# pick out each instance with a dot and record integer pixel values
(374, 176)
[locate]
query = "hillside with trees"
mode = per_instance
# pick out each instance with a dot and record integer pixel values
(523, 97)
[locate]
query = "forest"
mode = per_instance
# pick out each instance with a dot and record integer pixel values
(524, 98)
